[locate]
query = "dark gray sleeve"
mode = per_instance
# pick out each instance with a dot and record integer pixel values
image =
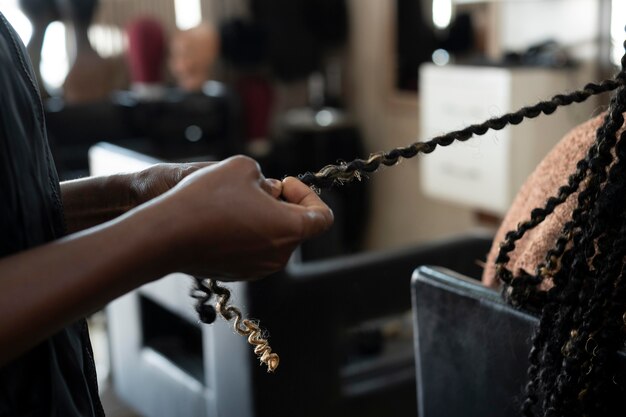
(30, 207)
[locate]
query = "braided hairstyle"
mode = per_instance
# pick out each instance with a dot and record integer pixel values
(338, 174)
(583, 314)
(582, 323)
(583, 318)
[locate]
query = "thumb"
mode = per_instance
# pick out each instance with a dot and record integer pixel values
(315, 215)
(315, 221)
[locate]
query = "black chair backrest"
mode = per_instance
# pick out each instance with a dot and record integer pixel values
(471, 348)
(328, 319)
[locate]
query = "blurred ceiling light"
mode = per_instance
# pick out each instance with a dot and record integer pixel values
(442, 13)
(107, 40)
(188, 13)
(54, 59)
(18, 20)
(618, 21)
(441, 57)
(324, 118)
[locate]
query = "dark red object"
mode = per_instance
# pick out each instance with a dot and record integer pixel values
(146, 50)
(257, 96)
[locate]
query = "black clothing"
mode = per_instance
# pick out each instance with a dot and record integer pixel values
(57, 377)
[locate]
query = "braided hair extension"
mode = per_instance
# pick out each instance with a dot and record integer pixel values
(582, 301)
(519, 291)
(583, 267)
(610, 338)
(568, 264)
(347, 172)
(203, 292)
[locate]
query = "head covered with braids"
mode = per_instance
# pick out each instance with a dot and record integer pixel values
(583, 310)
(583, 313)
(572, 362)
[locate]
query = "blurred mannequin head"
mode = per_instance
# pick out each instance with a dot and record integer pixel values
(80, 12)
(146, 50)
(40, 12)
(90, 77)
(192, 55)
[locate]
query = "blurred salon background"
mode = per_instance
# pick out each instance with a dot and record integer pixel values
(298, 84)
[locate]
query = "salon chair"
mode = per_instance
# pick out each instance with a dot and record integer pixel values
(471, 347)
(342, 328)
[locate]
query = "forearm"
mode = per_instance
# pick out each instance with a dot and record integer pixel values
(224, 220)
(44, 289)
(92, 201)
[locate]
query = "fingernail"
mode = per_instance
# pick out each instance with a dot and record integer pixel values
(274, 183)
(329, 217)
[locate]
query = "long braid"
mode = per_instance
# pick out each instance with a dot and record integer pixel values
(592, 161)
(610, 338)
(571, 300)
(607, 263)
(521, 290)
(536, 352)
(580, 350)
(338, 174)
(581, 300)
(590, 313)
(598, 341)
(572, 309)
(575, 273)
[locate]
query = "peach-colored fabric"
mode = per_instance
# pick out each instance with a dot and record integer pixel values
(543, 183)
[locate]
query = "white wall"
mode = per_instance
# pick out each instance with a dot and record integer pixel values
(569, 22)
(401, 214)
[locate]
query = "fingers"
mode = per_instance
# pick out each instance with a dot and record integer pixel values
(248, 167)
(296, 192)
(201, 164)
(191, 167)
(315, 214)
(272, 187)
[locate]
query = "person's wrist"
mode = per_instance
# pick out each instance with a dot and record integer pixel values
(134, 188)
(118, 193)
(162, 241)
(175, 232)
(88, 202)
